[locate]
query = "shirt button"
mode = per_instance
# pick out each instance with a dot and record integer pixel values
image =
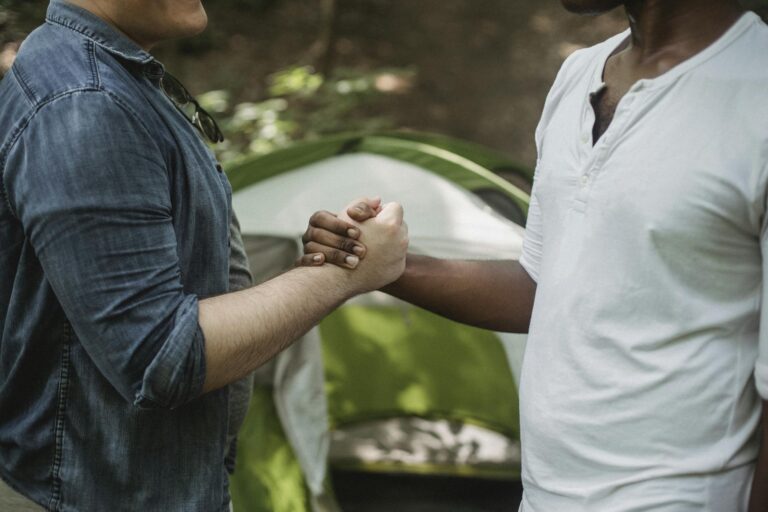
(584, 138)
(584, 180)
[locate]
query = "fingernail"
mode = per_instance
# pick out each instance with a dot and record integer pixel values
(352, 233)
(358, 250)
(352, 261)
(317, 258)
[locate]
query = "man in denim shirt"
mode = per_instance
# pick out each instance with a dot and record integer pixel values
(120, 333)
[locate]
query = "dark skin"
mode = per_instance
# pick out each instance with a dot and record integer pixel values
(468, 289)
(664, 34)
(499, 295)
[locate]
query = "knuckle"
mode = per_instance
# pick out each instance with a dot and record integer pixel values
(336, 256)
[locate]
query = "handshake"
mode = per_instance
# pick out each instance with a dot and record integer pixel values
(367, 238)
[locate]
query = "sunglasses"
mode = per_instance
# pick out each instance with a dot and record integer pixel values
(201, 119)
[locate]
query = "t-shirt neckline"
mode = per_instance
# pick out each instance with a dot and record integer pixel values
(729, 36)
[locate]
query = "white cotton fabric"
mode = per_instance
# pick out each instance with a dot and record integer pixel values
(638, 388)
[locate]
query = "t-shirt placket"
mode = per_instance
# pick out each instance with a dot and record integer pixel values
(599, 153)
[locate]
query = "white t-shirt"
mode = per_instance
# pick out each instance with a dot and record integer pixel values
(638, 388)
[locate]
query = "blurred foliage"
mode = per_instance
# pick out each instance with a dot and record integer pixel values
(303, 105)
(299, 103)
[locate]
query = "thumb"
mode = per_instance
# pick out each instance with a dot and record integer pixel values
(363, 209)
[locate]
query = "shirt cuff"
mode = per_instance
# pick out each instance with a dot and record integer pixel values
(529, 267)
(177, 374)
(761, 379)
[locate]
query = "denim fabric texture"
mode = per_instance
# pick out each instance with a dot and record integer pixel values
(114, 222)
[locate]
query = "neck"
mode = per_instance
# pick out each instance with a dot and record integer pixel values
(677, 26)
(98, 8)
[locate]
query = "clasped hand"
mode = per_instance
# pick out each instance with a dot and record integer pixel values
(367, 236)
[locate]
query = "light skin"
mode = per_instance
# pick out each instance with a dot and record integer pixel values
(245, 329)
(500, 295)
(150, 22)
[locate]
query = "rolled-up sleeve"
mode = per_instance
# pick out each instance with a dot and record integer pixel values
(96, 208)
(761, 366)
(530, 259)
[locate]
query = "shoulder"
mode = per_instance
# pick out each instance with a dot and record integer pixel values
(733, 82)
(81, 142)
(80, 133)
(54, 61)
(742, 54)
(583, 63)
(63, 85)
(75, 117)
(56, 74)
(575, 75)
(51, 64)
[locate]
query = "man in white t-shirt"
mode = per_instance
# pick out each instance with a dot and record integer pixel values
(642, 273)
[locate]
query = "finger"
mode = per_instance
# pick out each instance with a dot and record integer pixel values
(373, 202)
(333, 241)
(311, 260)
(362, 211)
(330, 222)
(334, 256)
(392, 212)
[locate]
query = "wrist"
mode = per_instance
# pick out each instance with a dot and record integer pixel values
(411, 269)
(337, 282)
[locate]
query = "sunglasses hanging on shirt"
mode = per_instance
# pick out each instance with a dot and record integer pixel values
(201, 119)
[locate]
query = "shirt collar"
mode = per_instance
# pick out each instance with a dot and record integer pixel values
(99, 31)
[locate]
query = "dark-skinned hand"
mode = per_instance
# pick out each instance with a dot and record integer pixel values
(330, 238)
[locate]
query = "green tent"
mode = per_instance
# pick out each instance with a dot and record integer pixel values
(380, 385)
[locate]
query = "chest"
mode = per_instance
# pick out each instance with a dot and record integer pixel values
(664, 173)
(200, 196)
(603, 103)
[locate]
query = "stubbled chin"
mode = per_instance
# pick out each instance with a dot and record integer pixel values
(198, 24)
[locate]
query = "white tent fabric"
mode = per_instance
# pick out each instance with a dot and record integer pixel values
(444, 221)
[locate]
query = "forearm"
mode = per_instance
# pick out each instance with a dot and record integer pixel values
(245, 329)
(495, 295)
(758, 501)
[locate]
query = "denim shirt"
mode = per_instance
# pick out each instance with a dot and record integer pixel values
(114, 223)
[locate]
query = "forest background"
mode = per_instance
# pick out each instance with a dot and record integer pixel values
(277, 71)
